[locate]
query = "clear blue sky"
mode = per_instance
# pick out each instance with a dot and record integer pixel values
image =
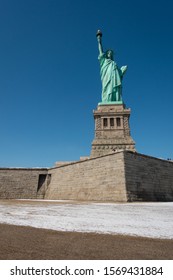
(50, 82)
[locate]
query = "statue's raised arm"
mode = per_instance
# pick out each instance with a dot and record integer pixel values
(99, 39)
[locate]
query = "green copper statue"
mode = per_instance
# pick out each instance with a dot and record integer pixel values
(111, 75)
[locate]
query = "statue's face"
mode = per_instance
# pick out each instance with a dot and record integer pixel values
(109, 54)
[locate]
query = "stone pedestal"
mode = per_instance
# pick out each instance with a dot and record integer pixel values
(112, 131)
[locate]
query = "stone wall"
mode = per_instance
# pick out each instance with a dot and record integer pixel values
(16, 183)
(148, 178)
(96, 179)
(122, 176)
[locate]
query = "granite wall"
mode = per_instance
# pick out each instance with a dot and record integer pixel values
(96, 179)
(148, 178)
(119, 177)
(22, 182)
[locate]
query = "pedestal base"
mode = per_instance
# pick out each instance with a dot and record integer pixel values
(112, 131)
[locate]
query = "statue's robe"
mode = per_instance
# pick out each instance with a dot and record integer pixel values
(111, 77)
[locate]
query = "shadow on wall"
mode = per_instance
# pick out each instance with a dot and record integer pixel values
(148, 178)
(43, 183)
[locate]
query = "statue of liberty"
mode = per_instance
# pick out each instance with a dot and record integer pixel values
(111, 75)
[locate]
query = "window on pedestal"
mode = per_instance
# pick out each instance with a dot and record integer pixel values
(118, 120)
(105, 122)
(111, 121)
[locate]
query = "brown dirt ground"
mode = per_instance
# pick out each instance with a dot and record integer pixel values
(20, 243)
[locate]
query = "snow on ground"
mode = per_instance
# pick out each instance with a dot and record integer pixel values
(139, 219)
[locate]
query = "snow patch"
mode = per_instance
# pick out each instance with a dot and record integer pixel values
(137, 219)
